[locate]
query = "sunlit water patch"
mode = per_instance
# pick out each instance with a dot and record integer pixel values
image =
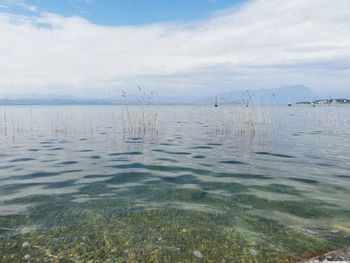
(77, 184)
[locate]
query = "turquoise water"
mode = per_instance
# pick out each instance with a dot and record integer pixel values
(173, 183)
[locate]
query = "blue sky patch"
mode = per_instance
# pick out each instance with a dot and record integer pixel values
(126, 12)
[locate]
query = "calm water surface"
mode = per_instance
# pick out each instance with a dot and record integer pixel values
(193, 184)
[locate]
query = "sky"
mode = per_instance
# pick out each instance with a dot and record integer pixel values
(97, 48)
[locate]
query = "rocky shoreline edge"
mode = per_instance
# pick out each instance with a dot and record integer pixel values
(341, 255)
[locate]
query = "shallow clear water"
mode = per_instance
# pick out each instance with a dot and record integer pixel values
(173, 183)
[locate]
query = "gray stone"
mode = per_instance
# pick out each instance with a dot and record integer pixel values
(25, 244)
(308, 232)
(342, 255)
(253, 252)
(197, 254)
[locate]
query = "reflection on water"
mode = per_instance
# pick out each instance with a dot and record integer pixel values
(203, 185)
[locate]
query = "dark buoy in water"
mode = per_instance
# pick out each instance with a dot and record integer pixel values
(216, 102)
(289, 102)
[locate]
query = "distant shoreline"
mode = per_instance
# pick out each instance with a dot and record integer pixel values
(326, 101)
(106, 102)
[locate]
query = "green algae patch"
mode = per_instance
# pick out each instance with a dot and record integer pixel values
(154, 235)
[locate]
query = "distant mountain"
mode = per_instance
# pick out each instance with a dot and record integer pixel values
(55, 101)
(131, 100)
(279, 95)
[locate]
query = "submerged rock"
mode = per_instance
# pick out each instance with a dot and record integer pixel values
(253, 252)
(25, 244)
(308, 232)
(197, 254)
(342, 255)
(190, 192)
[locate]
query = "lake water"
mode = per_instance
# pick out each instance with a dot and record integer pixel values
(173, 183)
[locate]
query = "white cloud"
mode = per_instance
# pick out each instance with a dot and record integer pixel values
(263, 43)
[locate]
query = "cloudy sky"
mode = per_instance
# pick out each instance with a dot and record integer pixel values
(180, 47)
